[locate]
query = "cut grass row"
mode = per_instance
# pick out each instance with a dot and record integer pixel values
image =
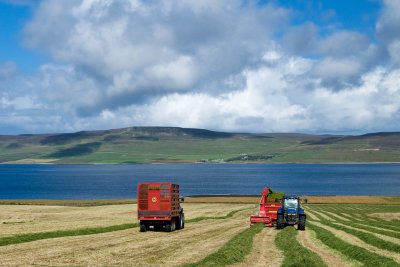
(294, 253)
(366, 226)
(364, 220)
(234, 251)
(360, 254)
(23, 238)
(366, 237)
(227, 216)
(379, 228)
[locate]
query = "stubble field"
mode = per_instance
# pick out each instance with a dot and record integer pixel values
(216, 234)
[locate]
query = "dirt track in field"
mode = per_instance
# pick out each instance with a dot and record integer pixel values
(129, 247)
(264, 252)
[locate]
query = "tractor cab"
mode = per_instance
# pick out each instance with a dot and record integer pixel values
(291, 203)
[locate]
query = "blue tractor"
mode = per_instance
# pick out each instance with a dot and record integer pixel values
(291, 213)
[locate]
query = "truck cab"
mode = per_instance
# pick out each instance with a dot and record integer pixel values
(291, 213)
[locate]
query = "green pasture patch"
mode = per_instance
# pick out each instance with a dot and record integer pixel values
(294, 253)
(146, 145)
(360, 254)
(234, 251)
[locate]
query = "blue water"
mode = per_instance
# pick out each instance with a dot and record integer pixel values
(119, 181)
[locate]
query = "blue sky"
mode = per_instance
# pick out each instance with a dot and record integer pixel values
(13, 18)
(248, 66)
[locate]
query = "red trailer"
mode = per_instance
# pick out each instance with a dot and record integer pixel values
(267, 213)
(159, 207)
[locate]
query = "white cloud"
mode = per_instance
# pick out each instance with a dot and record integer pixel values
(223, 65)
(388, 29)
(7, 69)
(337, 69)
(343, 43)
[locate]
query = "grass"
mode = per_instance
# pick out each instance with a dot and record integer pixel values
(366, 237)
(227, 216)
(234, 251)
(294, 253)
(360, 254)
(71, 203)
(22, 238)
(359, 214)
(146, 145)
(366, 225)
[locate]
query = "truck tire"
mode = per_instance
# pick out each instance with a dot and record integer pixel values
(182, 221)
(178, 222)
(302, 223)
(173, 225)
(168, 227)
(279, 222)
(143, 227)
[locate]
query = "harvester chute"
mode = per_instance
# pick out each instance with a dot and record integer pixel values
(269, 205)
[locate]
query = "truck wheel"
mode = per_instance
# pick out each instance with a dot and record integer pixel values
(178, 222)
(279, 222)
(302, 223)
(173, 225)
(143, 227)
(182, 221)
(168, 227)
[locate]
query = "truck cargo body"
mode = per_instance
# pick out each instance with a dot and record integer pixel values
(159, 206)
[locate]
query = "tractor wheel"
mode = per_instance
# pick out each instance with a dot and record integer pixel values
(279, 222)
(302, 223)
(143, 227)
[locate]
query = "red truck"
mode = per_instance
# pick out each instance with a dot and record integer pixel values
(159, 207)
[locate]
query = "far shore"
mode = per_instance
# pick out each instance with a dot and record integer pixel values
(386, 200)
(52, 162)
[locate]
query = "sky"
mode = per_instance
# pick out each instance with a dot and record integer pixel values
(306, 66)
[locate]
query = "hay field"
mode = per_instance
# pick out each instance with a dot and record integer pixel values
(360, 234)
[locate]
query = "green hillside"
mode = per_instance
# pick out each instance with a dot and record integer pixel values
(171, 144)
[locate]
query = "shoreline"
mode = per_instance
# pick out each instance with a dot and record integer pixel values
(198, 162)
(234, 199)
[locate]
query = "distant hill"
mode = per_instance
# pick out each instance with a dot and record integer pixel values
(173, 144)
